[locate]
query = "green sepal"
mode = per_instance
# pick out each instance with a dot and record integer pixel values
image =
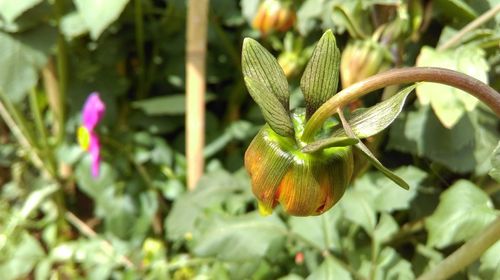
(375, 162)
(275, 115)
(330, 142)
(257, 63)
(321, 76)
(371, 158)
(367, 122)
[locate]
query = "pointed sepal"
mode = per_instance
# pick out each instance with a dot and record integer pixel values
(367, 122)
(257, 63)
(330, 142)
(275, 115)
(321, 76)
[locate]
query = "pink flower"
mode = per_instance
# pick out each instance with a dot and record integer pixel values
(92, 113)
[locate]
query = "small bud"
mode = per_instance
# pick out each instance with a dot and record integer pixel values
(362, 59)
(274, 15)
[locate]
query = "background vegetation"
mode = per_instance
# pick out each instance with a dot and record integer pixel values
(137, 219)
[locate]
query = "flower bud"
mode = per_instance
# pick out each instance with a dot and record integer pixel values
(361, 60)
(274, 15)
(303, 183)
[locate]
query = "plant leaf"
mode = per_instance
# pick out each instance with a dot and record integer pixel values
(368, 122)
(463, 211)
(98, 15)
(10, 10)
(321, 76)
(334, 141)
(240, 238)
(274, 113)
(257, 63)
(450, 104)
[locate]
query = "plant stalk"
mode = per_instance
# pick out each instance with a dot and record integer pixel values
(401, 76)
(455, 39)
(139, 41)
(196, 50)
(466, 254)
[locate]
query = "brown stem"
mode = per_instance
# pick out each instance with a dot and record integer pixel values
(402, 76)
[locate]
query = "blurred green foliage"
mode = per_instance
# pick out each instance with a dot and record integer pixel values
(137, 221)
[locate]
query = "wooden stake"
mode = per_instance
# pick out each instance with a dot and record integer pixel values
(195, 88)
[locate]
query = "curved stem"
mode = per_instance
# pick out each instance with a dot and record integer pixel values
(402, 76)
(466, 254)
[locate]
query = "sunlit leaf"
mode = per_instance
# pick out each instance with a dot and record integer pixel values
(463, 211)
(10, 10)
(321, 76)
(238, 238)
(98, 15)
(450, 103)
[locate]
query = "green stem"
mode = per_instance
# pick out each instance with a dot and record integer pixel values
(469, 27)
(401, 76)
(62, 70)
(139, 41)
(37, 115)
(466, 254)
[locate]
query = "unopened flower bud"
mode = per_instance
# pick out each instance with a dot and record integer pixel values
(274, 15)
(362, 59)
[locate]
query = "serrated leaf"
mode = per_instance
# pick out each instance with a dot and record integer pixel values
(274, 113)
(10, 10)
(449, 103)
(463, 211)
(368, 122)
(239, 238)
(257, 63)
(321, 76)
(329, 143)
(495, 162)
(98, 14)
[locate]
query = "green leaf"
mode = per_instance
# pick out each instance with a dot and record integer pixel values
(458, 10)
(375, 162)
(10, 10)
(258, 64)
(213, 190)
(238, 238)
(449, 103)
(467, 147)
(319, 230)
(463, 211)
(490, 262)
(73, 25)
(329, 143)
(368, 122)
(495, 162)
(385, 229)
(384, 197)
(330, 270)
(22, 56)
(358, 208)
(98, 15)
(20, 257)
(274, 113)
(321, 76)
